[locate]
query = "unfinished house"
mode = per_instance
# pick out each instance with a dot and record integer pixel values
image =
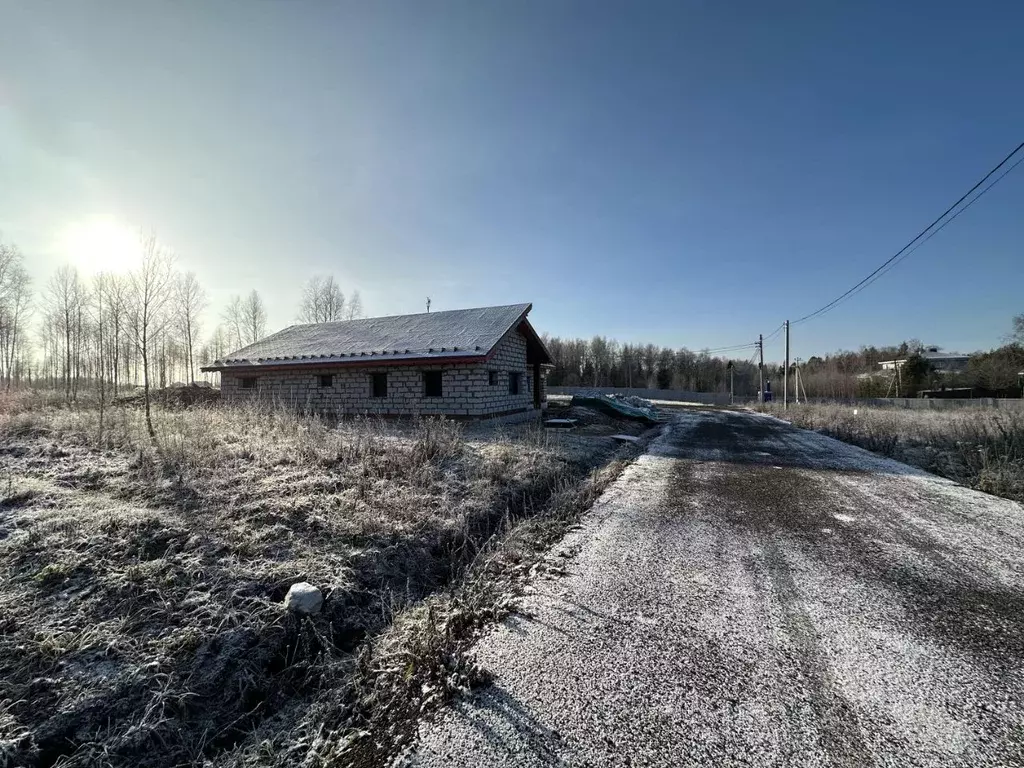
(465, 364)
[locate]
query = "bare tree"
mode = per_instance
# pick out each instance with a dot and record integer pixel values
(232, 317)
(49, 345)
(254, 318)
(189, 302)
(245, 319)
(355, 307)
(99, 309)
(150, 292)
(218, 345)
(10, 259)
(322, 301)
(117, 304)
(65, 296)
(1017, 335)
(15, 298)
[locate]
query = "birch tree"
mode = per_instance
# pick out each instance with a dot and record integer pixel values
(233, 322)
(322, 301)
(100, 311)
(149, 296)
(65, 299)
(117, 305)
(15, 298)
(354, 310)
(189, 302)
(253, 318)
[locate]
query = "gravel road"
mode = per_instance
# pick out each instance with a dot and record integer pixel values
(752, 594)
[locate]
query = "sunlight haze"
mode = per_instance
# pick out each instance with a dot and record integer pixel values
(682, 173)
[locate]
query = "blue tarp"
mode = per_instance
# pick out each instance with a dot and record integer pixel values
(613, 406)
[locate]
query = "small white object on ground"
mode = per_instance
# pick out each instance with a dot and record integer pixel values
(303, 598)
(626, 438)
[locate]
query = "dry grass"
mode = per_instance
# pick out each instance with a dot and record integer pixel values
(140, 616)
(978, 447)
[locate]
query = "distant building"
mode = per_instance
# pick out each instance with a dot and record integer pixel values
(941, 362)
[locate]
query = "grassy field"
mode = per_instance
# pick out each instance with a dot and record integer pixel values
(141, 620)
(981, 448)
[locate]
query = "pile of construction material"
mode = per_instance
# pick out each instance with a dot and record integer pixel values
(618, 406)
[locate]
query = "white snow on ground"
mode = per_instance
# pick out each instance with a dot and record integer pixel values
(722, 608)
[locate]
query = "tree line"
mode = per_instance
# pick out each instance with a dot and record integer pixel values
(603, 362)
(109, 332)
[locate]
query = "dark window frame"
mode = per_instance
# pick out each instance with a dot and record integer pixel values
(247, 382)
(329, 378)
(492, 378)
(514, 383)
(429, 379)
(378, 385)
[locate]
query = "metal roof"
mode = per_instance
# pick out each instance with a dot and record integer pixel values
(460, 334)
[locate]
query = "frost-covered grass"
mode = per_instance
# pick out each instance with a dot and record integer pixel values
(979, 447)
(140, 610)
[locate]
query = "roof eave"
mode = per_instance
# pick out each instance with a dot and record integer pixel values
(330, 364)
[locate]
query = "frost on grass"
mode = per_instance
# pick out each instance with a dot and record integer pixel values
(978, 447)
(141, 613)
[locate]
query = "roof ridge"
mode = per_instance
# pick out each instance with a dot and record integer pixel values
(414, 314)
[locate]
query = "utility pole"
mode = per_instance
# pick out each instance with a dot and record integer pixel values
(760, 368)
(785, 378)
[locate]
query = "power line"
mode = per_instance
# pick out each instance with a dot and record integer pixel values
(738, 347)
(775, 333)
(901, 252)
(733, 348)
(938, 229)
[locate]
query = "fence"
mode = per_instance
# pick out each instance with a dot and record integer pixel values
(927, 403)
(706, 398)
(720, 398)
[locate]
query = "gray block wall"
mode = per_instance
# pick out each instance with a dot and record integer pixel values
(466, 388)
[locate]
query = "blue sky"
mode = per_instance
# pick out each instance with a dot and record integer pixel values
(687, 173)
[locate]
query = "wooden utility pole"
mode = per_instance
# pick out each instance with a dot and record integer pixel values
(760, 368)
(785, 377)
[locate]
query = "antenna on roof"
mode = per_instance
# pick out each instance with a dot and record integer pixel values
(428, 304)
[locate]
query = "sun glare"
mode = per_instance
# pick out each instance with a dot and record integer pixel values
(101, 244)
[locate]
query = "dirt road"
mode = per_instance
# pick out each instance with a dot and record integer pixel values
(752, 594)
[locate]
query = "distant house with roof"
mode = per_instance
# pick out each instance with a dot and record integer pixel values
(469, 364)
(941, 362)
